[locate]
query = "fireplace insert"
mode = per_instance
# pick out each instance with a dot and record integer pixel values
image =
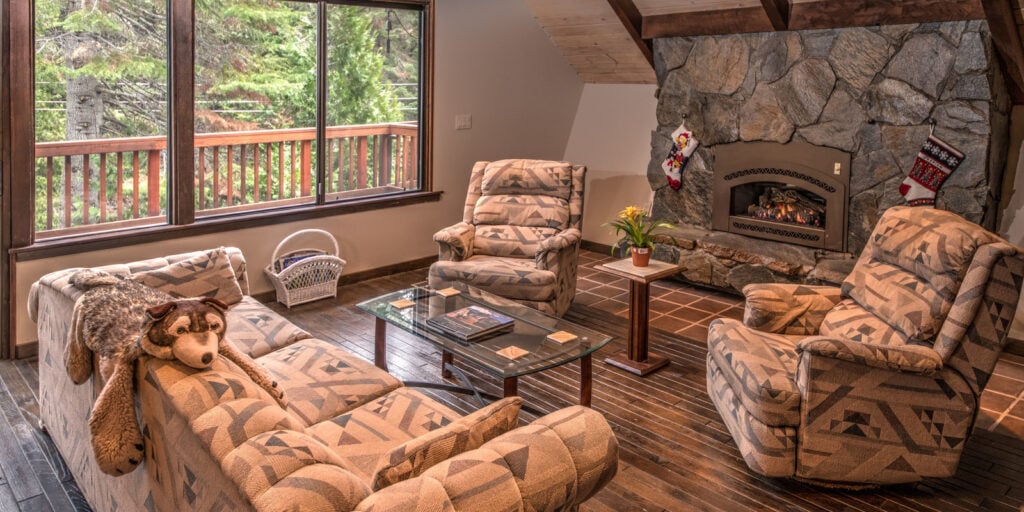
(796, 193)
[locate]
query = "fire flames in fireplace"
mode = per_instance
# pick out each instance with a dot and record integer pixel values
(788, 205)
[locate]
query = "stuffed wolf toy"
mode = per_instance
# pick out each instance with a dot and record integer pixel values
(120, 320)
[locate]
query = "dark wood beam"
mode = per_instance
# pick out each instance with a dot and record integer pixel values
(777, 12)
(805, 15)
(705, 23)
(631, 18)
(1006, 39)
(182, 113)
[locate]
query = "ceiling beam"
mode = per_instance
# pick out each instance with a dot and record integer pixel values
(738, 20)
(777, 12)
(1006, 38)
(631, 18)
(815, 14)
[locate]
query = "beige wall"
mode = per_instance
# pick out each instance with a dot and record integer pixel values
(493, 61)
(1011, 222)
(611, 135)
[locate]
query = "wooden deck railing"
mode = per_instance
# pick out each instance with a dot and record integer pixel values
(103, 181)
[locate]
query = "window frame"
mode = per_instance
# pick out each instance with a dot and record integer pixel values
(181, 215)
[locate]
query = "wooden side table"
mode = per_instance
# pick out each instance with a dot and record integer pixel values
(636, 359)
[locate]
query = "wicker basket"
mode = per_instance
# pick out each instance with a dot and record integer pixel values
(305, 275)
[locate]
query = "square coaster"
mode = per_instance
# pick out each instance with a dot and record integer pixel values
(512, 352)
(448, 292)
(402, 303)
(562, 336)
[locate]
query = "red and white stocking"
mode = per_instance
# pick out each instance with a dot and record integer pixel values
(935, 162)
(683, 145)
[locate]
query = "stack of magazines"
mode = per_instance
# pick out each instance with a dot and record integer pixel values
(472, 323)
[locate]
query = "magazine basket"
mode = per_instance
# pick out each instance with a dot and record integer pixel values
(307, 274)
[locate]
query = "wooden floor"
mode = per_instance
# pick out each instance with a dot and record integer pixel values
(676, 454)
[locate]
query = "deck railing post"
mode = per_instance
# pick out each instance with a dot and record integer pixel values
(153, 186)
(306, 164)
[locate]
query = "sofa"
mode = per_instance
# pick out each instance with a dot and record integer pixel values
(352, 437)
(877, 381)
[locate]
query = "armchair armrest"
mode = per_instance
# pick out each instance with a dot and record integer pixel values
(903, 358)
(455, 243)
(554, 463)
(547, 252)
(788, 308)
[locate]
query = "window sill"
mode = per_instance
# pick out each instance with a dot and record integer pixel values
(214, 224)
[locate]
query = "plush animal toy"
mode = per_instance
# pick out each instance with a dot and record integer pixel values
(105, 323)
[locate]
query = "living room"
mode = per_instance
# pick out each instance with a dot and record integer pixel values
(525, 97)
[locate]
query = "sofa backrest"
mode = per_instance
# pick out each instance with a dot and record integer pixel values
(927, 274)
(516, 204)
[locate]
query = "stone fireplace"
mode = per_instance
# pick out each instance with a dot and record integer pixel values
(863, 99)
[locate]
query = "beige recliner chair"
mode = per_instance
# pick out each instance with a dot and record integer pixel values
(876, 382)
(520, 233)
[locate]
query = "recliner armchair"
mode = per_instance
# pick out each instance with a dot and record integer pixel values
(520, 233)
(876, 382)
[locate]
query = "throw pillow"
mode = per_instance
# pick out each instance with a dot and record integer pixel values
(205, 275)
(415, 456)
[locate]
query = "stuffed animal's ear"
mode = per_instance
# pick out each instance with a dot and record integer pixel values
(116, 439)
(216, 303)
(158, 312)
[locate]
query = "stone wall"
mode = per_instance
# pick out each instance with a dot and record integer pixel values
(873, 92)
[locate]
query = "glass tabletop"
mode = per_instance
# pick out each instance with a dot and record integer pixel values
(529, 334)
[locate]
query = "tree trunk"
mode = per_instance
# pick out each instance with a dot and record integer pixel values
(83, 102)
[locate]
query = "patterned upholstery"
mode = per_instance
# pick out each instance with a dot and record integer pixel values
(520, 233)
(205, 275)
(885, 388)
(352, 437)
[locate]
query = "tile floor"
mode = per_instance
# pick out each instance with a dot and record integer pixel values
(687, 310)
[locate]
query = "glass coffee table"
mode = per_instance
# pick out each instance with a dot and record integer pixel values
(524, 350)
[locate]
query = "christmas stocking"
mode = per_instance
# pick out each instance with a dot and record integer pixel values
(935, 162)
(683, 145)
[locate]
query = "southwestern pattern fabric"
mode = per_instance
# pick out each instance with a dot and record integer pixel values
(206, 275)
(888, 390)
(257, 331)
(525, 210)
(216, 441)
(787, 308)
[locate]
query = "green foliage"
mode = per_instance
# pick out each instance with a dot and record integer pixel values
(638, 230)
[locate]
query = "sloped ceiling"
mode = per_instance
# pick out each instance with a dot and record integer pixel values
(609, 41)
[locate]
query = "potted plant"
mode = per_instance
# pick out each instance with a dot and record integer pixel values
(638, 231)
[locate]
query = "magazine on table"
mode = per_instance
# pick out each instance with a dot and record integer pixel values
(472, 323)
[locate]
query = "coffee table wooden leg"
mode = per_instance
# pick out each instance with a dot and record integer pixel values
(511, 386)
(447, 358)
(586, 379)
(380, 344)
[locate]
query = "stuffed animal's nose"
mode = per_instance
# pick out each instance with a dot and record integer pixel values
(207, 357)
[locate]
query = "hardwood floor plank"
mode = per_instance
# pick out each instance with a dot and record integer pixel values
(7, 501)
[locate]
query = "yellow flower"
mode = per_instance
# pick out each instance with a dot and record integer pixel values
(631, 213)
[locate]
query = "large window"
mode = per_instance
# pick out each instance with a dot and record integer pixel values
(294, 105)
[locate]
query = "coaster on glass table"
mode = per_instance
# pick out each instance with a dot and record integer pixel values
(448, 292)
(561, 336)
(402, 303)
(512, 352)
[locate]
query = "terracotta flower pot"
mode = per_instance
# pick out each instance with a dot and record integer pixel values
(641, 256)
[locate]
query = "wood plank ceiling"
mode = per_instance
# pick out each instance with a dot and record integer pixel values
(609, 41)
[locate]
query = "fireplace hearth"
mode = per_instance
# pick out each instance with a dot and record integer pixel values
(795, 193)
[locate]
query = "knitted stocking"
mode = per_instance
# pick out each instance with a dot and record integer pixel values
(935, 162)
(683, 145)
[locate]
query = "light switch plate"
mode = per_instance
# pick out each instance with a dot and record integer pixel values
(463, 122)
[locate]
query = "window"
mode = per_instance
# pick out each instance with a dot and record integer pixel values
(294, 105)
(101, 115)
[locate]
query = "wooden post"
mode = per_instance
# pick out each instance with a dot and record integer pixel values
(85, 189)
(153, 175)
(102, 200)
(135, 184)
(215, 197)
(119, 195)
(67, 191)
(229, 197)
(361, 162)
(202, 179)
(306, 164)
(49, 192)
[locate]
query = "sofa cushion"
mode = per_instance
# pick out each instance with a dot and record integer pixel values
(760, 367)
(522, 210)
(537, 177)
(323, 381)
(899, 298)
(512, 278)
(510, 241)
(257, 330)
(415, 456)
(364, 436)
(208, 274)
(851, 321)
